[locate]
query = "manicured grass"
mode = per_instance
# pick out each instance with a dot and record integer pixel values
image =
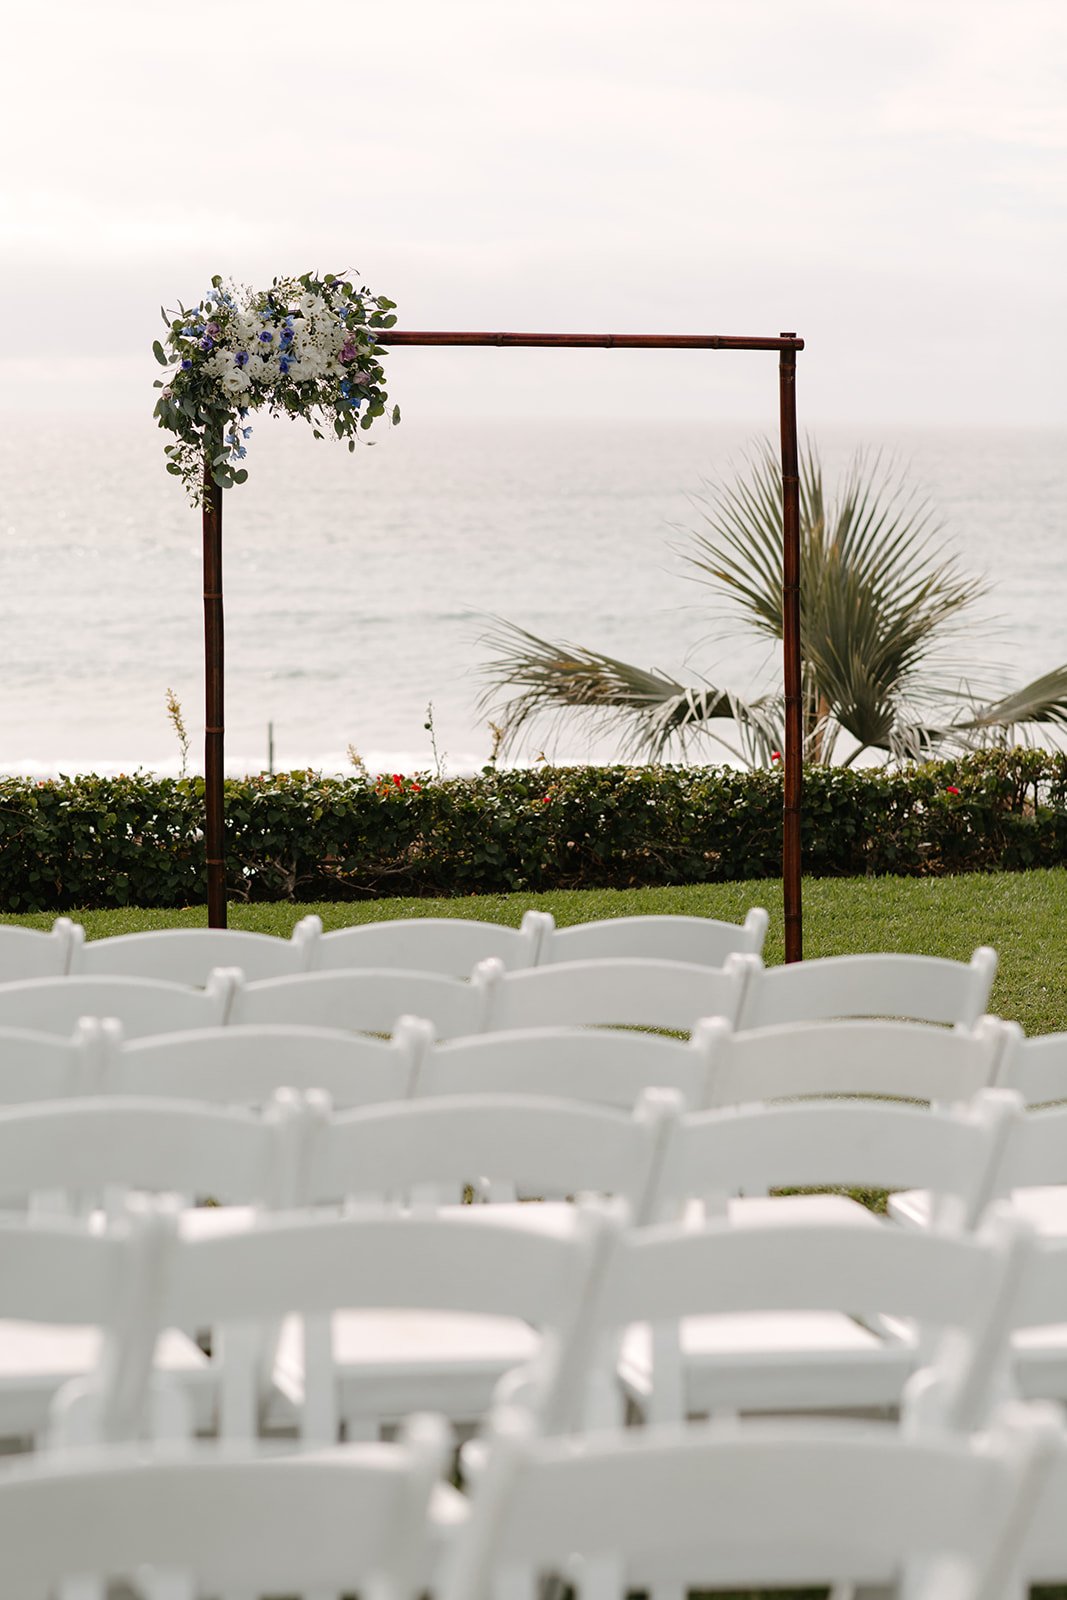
(1023, 915)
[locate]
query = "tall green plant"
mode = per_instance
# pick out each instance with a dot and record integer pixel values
(882, 604)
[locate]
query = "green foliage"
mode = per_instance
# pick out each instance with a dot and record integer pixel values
(138, 840)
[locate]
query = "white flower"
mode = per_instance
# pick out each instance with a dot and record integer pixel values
(233, 382)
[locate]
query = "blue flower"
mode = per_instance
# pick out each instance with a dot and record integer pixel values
(266, 336)
(242, 411)
(241, 358)
(284, 364)
(246, 433)
(207, 343)
(186, 364)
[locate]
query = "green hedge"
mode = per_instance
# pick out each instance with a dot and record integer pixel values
(298, 836)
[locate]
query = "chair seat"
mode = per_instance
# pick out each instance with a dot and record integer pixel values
(36, 1359)
(743, 1210)
(390, 1363)
(767, 1361)
(1043, 1205)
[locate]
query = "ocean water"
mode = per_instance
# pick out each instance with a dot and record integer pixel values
(359, 588)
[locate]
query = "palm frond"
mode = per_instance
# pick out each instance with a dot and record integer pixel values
(1044, 700)
(650, 709)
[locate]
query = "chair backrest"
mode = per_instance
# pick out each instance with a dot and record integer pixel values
(766, 1506)
(142, 1005)
(1035, 1152)
(245, 1065)
(449, 945)
(923, 988)
(83, 1148)
(540, 1145)
(335, 1520)
(1035, 1068)
(31, 953)
(46, 1066)
(952, 1153)
(700, 941)
(605, 1067)
(367, 1001)
(56, 1271)
(907, 1060)
(623, 993)
(189, 955)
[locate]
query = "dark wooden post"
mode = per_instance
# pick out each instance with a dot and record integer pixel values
(214, 722)
(794, 723)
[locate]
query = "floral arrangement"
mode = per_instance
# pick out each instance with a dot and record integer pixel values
(304, 347)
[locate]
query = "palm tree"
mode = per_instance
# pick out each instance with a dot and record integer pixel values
(882, 603)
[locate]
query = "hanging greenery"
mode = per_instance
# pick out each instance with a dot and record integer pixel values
(305, 347)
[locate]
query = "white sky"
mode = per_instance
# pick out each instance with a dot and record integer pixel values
(885, 176)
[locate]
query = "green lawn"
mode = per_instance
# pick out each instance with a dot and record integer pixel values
(1022, 914)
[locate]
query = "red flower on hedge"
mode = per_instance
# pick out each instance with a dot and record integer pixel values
(952, 789)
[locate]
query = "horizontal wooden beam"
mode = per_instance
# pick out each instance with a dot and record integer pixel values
(592, 341)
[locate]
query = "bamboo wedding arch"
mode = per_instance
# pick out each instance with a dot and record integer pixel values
(787, 345)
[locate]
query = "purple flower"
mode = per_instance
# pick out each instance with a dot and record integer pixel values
(213, 329)
(207, 343)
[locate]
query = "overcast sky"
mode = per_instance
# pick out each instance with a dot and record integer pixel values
(887, 177)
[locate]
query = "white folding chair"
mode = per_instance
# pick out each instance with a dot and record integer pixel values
(1030, 1171)
(246, 1065)
(922, 988)
(367, 1518)
(92, 1154)
(602, 1066)
(47, 1066)
(486, 1293)
(622, 993)
(727, 1161)
(143, 1006)
(1035, 1068)
(368, 1000)
(448, 945)
(699, 941)
(30, 953)
(189, 955)
(765, 1317)
(92, 1150)
(766, 1507)
(496, 1143)
(900, 1060)
(72, 1303)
